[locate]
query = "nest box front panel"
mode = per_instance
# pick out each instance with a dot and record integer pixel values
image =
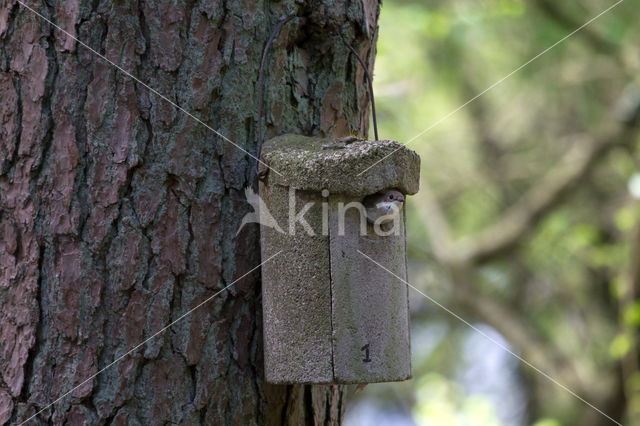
(370, 307)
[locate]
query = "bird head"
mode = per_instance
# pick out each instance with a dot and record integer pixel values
(393, 196)
(390, 200)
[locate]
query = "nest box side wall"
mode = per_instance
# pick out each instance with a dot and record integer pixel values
(296, 293)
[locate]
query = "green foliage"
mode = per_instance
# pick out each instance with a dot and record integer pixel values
(620, 346)
(565, 278)
(632, 314)
(547, 422)
(442, 402)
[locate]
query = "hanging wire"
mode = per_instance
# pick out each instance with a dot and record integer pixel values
(262, 122)
(369, 85)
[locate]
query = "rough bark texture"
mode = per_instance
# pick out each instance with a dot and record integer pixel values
(118, 213)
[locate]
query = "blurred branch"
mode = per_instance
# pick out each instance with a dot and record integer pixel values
(554, 10)
(524, 340)
(520, 219)
(501, 318)
(460, 257)
(491, 148)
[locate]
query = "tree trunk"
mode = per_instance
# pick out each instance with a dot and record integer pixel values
(119, 212)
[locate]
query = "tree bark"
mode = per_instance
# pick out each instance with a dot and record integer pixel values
(118, 212)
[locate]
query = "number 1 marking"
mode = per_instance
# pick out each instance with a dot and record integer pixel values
(365, 348)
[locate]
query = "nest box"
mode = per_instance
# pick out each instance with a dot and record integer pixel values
(331, 315)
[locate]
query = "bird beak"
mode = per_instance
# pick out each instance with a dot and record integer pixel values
(401, 199)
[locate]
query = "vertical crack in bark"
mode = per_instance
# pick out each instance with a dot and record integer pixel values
(10, 163)
(328, 415)
(341, 401)
(47, 113)
(39, 337)
(309, 411)
(285, 407)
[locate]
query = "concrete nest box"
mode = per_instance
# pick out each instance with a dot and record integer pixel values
(331, 315)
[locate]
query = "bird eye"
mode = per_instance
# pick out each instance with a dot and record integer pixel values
(391, 197)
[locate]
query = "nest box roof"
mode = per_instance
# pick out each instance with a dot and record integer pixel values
(314, 164)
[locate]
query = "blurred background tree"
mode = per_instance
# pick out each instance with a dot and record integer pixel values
(527, 223)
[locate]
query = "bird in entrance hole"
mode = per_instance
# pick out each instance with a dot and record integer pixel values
(386, 203)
